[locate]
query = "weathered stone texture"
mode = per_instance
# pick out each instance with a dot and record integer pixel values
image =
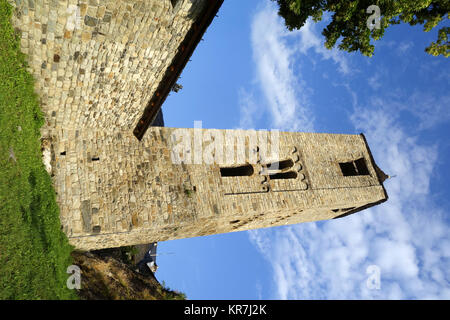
(96, 65)
(115, 190)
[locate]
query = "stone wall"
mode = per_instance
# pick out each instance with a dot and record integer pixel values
(98, 62)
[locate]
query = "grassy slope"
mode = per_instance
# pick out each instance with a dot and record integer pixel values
(107, 277)
(34, 252)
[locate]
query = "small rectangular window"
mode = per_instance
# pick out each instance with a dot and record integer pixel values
(354, 168)
(348, 169)
(361, 166)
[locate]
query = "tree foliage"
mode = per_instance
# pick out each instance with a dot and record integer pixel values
(349, 20)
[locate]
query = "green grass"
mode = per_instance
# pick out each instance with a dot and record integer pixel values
(34, 252)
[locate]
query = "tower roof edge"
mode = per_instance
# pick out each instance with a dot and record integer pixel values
(381, 175)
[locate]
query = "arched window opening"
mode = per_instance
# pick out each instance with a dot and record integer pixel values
(280, 165)
(283, 175)
(244, 170)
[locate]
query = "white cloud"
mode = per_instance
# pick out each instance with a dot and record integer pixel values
(309, 39)
(403, 47)
(430, 110)
(285, 99)
(278, 73)
(249, 110)
(374, 81)
(407, 237)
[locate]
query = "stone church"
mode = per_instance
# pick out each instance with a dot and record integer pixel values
(102, 69)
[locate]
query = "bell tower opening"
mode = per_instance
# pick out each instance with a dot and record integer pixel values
(283, 175)
(244, 170)
(354, 168)
(280, 165)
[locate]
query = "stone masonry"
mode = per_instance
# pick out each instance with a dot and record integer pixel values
(117, 190)
(97, 64)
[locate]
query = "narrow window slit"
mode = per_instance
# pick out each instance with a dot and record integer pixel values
(95, 158)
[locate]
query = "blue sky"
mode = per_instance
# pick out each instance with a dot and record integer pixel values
(251, 73)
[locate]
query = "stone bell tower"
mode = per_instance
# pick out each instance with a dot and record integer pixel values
(102, 69)
(178, 183)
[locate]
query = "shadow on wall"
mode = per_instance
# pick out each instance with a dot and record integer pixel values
(159, 120)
